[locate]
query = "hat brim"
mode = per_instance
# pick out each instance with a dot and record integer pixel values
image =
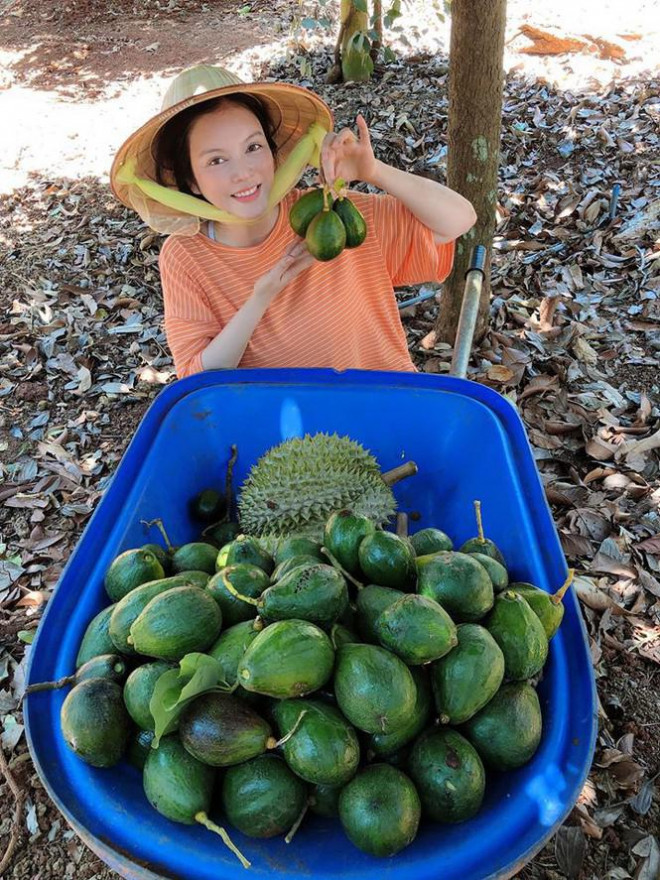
(292, 110)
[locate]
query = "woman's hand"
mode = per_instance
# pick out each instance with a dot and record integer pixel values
(296, 259)
(347, 157)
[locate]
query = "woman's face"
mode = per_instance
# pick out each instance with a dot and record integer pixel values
(231, 160)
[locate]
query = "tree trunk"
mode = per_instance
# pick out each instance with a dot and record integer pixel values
(475, 114)
(347, 64)
(377, 21)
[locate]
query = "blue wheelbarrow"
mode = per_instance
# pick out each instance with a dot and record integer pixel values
(469, 443)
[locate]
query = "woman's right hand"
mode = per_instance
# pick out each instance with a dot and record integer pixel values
(296, 259)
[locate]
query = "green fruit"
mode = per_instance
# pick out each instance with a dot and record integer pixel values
(129, 570)
(484, 546)
(457, 582)
(354, 223)
(245, 549)
(388, 560)
(95, 723)
(288, 565)
(387, 744)
(196, 556)
(546, 607)
(175, 623)
(262, 797)
(138, 690)
(507, 732)
(380, 810)
(208, 506)
(428, 541)
(449, 775)
(324, 748)
(230, 647)
(289, 658)
(221, 533)
(176, 784)
(317, 593)
(161, 555)
(139, 747)
(220, 730)
(341, 635)
(342, 536)
(128, 609)
(296, 485)
(520, 635)
(304, 210)
(374, 689)
(297, 545)
(110, 666)
(416, 629)
(496, 571)
(370, 603)
(469, 676)
(96, 639)
(324, 800)
(248, 580)
(326, 236)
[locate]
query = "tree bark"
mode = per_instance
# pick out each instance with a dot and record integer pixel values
(475, 114)
(346, 66)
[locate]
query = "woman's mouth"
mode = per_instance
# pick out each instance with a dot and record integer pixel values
(248, 195)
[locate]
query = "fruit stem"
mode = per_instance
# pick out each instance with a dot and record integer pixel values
(280, 742)
(204, 820)
(229, 479)
(326, 195)
(50, 685)
(402, 525)
(399, 473)
(557, 597)
(340, 568)
(230, 589)
(480, 525)
(297, 823)
(161, 528)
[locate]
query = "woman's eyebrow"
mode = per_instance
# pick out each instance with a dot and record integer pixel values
(220, 149)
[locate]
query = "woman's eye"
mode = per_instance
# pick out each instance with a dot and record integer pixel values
(216, 160)
(254, 147)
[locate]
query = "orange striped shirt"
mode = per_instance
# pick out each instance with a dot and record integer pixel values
(340, 314)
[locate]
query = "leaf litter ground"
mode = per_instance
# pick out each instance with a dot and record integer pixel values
(573, 342)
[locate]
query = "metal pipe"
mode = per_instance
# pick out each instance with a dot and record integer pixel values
(467, 321)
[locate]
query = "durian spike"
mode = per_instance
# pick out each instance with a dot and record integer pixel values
(480, 527)
(557, 597)
(396, 474)
(335, 563)
(402, 525)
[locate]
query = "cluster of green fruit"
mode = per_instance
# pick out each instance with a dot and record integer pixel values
(327, 224)
(391, 668)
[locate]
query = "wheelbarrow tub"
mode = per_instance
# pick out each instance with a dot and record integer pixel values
(469, 443)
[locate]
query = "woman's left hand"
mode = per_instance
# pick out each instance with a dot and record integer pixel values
(347, 157)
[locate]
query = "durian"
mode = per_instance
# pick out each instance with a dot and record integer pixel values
(294, 487)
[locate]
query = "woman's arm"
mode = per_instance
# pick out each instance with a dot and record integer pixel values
(442, 210)
(226, 350)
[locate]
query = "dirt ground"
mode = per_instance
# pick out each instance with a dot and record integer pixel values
(75, 79)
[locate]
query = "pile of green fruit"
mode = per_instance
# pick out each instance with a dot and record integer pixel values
(368, 676)
(327, 224)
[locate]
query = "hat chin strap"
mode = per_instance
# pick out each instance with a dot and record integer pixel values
(306, 152)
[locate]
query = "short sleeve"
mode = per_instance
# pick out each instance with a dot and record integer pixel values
(410, 252)
(190, 324)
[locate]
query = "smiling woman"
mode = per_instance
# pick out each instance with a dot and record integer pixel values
(217, 169)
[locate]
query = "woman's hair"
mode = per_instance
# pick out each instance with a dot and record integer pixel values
(171, 149)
